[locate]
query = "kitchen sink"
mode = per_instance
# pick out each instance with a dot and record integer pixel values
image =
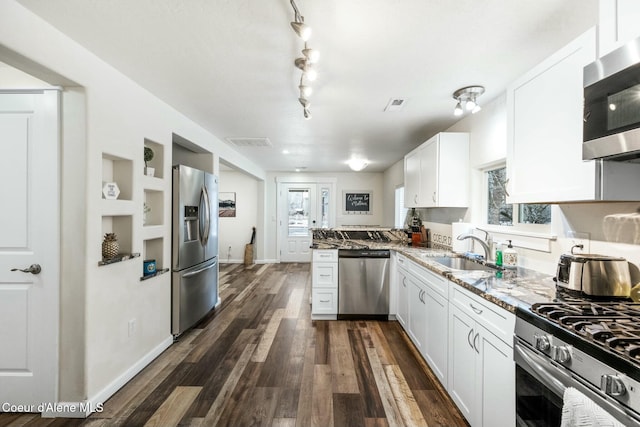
(459, 263)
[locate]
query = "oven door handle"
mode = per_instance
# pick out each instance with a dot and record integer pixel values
(538, 367)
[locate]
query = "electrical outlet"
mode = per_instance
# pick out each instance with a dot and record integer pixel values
(132, 327)
(577, 238)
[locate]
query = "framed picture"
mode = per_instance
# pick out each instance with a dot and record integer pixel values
(356, 202)
(226, 205)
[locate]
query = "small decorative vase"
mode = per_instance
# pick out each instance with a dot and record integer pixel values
(110, 246)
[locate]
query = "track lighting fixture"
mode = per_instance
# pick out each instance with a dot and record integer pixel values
(304, 63)
(467, 97)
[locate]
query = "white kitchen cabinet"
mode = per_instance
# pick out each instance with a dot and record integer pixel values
(437, 172)
(417, 313)
(436, 333)
(618, 24)
(426, 319)
(544, 125)
(402, 309)
(324, 284)
(481, 370)
(412, 178)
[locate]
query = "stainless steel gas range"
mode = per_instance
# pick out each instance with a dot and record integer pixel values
(593, 347)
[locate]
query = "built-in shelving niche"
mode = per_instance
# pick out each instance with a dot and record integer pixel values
(153, 249)
(153, 208)
(158, 158)
(119, 170)
(121, 225)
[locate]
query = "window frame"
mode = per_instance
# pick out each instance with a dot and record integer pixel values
(517, 227)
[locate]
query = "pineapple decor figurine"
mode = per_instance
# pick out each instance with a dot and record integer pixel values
(110, 247)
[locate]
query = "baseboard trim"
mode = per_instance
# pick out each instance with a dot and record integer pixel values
(95, 403)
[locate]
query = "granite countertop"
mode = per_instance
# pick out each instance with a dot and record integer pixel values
(507, 288)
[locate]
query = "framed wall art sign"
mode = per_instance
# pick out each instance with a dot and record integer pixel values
(227, 205)
(356, 202)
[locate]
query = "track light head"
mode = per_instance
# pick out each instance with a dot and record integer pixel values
(302, 30)
(312, 55)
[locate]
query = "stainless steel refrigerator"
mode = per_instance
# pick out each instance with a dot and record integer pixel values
(194, 281)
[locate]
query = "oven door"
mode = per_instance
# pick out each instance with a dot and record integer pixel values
(540, 386)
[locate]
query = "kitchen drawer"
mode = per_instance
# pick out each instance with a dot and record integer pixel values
(436, 282)
(325, 275)
(402, 262)
(324, 301)
(325, 255)
(495, 319)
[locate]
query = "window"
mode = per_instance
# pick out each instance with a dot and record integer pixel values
(400, 210)
(499, 212)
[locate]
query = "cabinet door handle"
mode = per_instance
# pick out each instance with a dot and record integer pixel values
(415, 199)
(506, 187)
(475, 340)
(325, 275)
(404, 282)
(469, 338)
(325, 300)
(433, 197)
(477, 310)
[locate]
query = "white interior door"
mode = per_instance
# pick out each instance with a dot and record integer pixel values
(29, 236)
(298, 211)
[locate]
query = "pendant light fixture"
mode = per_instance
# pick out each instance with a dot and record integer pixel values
(306, 62)
(467, 98)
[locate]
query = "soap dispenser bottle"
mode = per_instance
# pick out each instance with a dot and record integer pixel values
(510, 256)
(499, 254)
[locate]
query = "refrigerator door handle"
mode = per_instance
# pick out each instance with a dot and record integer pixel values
(208, 215)
(194, 273)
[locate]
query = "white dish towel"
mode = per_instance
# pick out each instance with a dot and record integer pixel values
(580, 411)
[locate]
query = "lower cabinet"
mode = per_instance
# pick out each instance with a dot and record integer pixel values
(402, 284)
(465, 339)
(481, 367)
(324, 284)
(436, 334)
(417, 313)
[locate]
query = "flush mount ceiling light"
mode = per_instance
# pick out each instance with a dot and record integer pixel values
(306, 62)
(467, 98)
(357, 164)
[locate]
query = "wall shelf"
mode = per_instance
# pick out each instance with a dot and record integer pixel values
(156, 274)
(119, 258)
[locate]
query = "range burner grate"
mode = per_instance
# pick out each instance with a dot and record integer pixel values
(612, 325)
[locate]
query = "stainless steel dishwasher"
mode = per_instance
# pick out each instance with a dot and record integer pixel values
(363, 284)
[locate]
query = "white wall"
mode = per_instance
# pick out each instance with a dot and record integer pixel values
(98, 355)
(392, 179)
(235, 232)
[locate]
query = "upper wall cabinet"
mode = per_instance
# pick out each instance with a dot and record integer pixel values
(618, 24)
(544, 125)
(436, 174)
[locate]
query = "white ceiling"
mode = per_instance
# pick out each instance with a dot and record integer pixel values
(228, 64)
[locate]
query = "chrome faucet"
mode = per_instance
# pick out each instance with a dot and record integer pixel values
(484, 244)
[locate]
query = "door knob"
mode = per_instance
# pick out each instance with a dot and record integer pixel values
(33, 269)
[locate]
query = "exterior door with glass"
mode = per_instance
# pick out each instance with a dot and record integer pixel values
(302, 207)
(298, 216)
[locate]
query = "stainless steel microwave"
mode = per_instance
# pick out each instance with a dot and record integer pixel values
(611, 122)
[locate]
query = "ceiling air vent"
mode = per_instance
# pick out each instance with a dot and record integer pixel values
(249, 142)
(395, 104)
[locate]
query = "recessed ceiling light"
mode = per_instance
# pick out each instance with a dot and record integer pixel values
(285, 151)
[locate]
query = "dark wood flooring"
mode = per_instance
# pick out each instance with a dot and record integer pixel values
(259, 360)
